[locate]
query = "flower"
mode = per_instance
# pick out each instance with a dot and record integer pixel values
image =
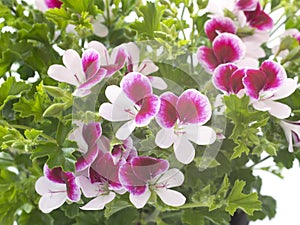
(292, 132)
(55, 187)
(84, 73)
(228, 78)
(246, 5)
(86, 136)
(218, 25)
(133, 102)
(181, 119)
(44, 5)
(146, 67)
(111, 63)
(145, 174)
(102, 182)
(226, 48)
(267, 84)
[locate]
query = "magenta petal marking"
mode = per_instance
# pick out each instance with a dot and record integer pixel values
(95, 79)
(73, 190)
(130, 181)
(259, 19)
(149, 109)
(90, 63)
(228, 48)
(91, 132)
(246, 5)
(136, 86)
(86, 160)
(217, 25)
(54, 174)
(119, 57)
(237, 80)
(53, 3)
(106, 171)
(222, 77)
(254, 82)
(167, 114)
(146, 168)
(193, 107)
(275, 74)
(207, 58)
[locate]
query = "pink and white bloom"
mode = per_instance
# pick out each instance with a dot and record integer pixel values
(44, 5)
(86, 136)
(228, 78)
(246, 5)
(226, 48)
(55, 187)
(145, 174)
(133, 102)
(145, 67)
(292, 133)
(102, 183)
(218, 25)
(113, 62)
(266, 85)
(84, 73)
(182, 119)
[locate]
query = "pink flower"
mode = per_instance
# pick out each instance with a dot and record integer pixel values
(246, 5)
(226, 48)
(267, 84)
(181, 119)
(133, 102)
(56, 187)
(292, 133)
(84, 73)
(144, 174)
(145, 67)
(44, 5)
(218, 25)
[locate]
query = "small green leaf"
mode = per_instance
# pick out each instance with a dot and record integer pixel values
(237, 200)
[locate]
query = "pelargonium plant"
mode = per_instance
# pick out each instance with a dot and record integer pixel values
(140, 112)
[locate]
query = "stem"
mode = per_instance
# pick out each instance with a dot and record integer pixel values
(107, 12)
(264, 159)
(181, 18)
(193, 205)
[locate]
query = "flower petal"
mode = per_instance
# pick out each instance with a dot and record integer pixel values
(111, 112)
(146, 168)
(136, 86)
(184, 150)
(99, 202)
(133, 58)
(149, 109)
(62, 74)
(167, 114)
(125, 130)
(99, 29)
(116, 61)
(139, 201)
(147, 67)
(171, 197)
(87, 159)
(89, 190)
(193, 107)
(173, 178)
(158, 82)
(51, 201)
(246, 5)
(288, 87)
(279, 110)
(101, 49)
(217, 25)
(201, 135)
(90, 62)
(44, 186)
(165, 138)
(130, 181)
(53, 3)
(72, 61)
(92, 132)
(275, 74)
(95, 79)
(207, 58)
(228, 48)
(54, 175)
(259, 19)
(73, 190)
(254, 82)
(222, 77)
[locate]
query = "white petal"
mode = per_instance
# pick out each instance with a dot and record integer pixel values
(72, 61)
(261, 106)
(125, 130)
(44, 186)
(279, 110)
(100, 29)
(173, 178)
(139, 201)
(115, 95)
(184, 150)
(51, 201)
(88, 189)
(287, 129)
(147, 67)
(171, 197)
(165, 138)
(101, 50)
(287, 88)
(99, 202)
(111, 112)
(201, 135)
(158, 83)
(62, 74)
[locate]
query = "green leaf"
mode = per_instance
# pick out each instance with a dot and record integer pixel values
(191, 217)
(38, 217)
(114, 207)
(131, 214)
(58, 16)
(79, 6)
(57, 156)
(238, 200)
(240, 149)
(38, 32)
(11, 89)
(90, 218)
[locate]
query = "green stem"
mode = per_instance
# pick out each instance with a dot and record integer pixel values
(192, 205)
(264, 159)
